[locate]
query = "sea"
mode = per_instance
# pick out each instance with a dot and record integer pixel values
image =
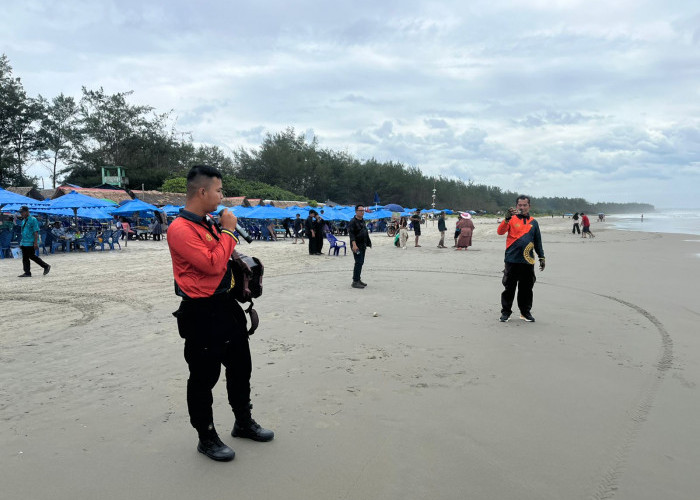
(679, 221)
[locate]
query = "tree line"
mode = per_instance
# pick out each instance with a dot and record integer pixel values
(72, 139)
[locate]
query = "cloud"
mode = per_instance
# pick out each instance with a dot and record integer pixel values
(550, 97)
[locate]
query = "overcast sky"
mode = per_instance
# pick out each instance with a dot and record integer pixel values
(552, 98)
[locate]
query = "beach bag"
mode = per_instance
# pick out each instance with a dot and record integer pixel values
(248, 285)
(397, 242)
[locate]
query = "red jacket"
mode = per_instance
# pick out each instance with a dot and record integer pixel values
(200, 256)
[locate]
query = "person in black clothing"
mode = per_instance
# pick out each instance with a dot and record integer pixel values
(359, 242)
(416, 220)
(298, 229)
(285, 225)
(442, 228)
(320, 233)
(311, 227)
(576, 228)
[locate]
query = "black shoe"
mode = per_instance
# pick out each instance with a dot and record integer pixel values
(252, 430)
(362, 283)
(211, 446)
(357, 284)
(527, 317)
(47, 269)
(25, 275)
(504, 317)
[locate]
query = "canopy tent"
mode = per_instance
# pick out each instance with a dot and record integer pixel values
(76, 200)
(378, 214)
(172, 209)
(136, 207)
(264, 212)
(7, 197)
(94, 214)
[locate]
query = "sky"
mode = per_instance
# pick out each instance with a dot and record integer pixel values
(591, 99)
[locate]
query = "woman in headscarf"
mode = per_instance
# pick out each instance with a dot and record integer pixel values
(466, 227)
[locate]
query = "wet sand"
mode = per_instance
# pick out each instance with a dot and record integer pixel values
(431, 398)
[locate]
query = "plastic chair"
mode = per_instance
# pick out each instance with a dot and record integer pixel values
(44, 239)
(103, 240)
(336, 245)
(114, 239)
(88, 241)
(5, 239)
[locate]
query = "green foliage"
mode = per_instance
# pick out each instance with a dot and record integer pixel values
(58, 134)
(19, 117)
(176, 185)
(234, 186)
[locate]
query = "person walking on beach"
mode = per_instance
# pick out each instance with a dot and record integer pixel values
(416, 220)
(442, 228)
(298, 229)
(209, 318)
(466, 228)
(29, 244)
(359, 242)
(523, 237)
(586, 226)
(576, 228)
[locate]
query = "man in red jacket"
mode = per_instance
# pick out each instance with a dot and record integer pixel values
(209, 318)
(523, 238)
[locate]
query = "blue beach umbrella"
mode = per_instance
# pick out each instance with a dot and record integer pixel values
(393, 207)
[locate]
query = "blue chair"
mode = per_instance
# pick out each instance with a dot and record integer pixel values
(336, 245)
(5, 239)
(44, 240)
(88, 241)
(103, 240)
(114, 239)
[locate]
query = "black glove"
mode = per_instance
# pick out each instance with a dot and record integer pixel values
(541, 263)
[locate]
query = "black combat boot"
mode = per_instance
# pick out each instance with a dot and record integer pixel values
(211, 445)
(250, 429)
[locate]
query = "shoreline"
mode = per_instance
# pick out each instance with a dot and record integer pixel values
(433, 397)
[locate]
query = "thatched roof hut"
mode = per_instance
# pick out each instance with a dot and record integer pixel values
(235, 201)
(159, 198)
(286, 204)
(28, 191)
(116, 195)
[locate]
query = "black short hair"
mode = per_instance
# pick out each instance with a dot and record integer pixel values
(204, 170)
(24, 208)
(523, 197)
(313, 212)
(357, 207)
(196, 175)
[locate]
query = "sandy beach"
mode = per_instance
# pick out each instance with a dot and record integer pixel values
(431, 398)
